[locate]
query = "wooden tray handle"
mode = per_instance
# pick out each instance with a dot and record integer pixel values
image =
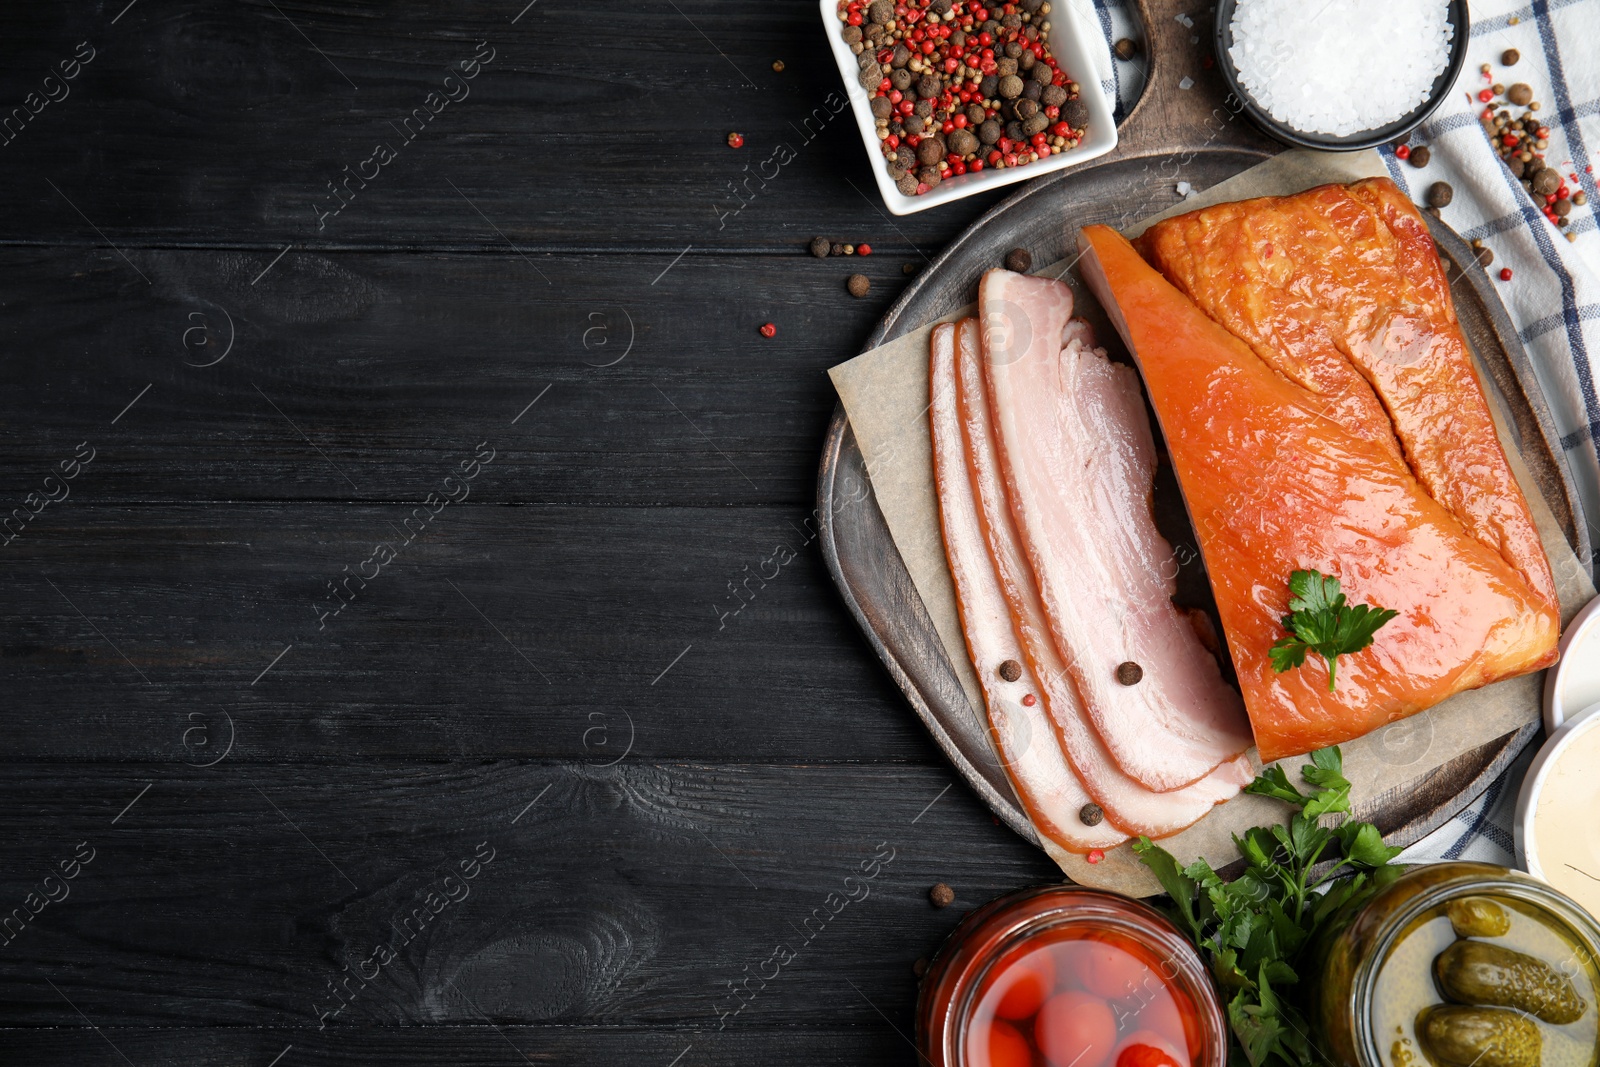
(1169, 119)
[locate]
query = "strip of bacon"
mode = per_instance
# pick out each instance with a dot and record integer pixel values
(1044, 781)
(1079, 462)
(1126, 803)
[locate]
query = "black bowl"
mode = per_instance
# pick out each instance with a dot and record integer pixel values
(1394, 131)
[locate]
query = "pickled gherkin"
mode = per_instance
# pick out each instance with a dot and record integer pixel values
(1479, 973)
(1459, 1036)
(1477, 917)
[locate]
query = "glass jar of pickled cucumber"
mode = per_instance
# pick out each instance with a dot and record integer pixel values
(1458, 964)
(1064, 976)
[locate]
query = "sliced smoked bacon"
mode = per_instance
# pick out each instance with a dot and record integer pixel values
(1341, 290)
(1078, 463)
(1273, 485)
(1034, 761)
(1127, 804)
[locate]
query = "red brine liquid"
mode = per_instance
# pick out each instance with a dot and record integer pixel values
(1086, 998)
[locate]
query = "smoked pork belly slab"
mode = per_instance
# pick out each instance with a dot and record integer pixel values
(1274, 484)
(1340, 288)
(1126, 803)
(1045, 783)
(1078, 463)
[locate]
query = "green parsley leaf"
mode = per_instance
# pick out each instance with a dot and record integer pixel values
(1321, 621)
(1254, 931)
(1273, 782)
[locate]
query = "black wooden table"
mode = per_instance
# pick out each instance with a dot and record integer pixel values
(416, 643)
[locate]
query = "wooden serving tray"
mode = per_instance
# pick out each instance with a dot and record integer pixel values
(1172, 134)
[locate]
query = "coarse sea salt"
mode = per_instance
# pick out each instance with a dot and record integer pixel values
(1354, 65)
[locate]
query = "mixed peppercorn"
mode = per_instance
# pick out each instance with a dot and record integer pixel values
(958, 86)
(1521, 140)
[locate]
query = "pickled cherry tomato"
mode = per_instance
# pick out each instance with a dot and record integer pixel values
(1007, 1046)
(1112, 969)
(1024, 986)
(1146, 1049)
(1169, 1014)
(1076, 1030)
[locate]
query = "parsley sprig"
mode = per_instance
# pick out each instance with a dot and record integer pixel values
(1320, 621)
(1253, 930)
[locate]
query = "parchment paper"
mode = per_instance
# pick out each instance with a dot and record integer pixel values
(885, 393)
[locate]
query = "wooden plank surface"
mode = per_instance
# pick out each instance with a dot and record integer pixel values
(614, 655)
(205, 123)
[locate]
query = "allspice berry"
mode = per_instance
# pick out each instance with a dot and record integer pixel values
(1485, 256)
(1129, 673)
(1091, 815)
(930, 150)
(920, 967)
(1126, 48)
(941, 896)
(990, 131)
(1520, 94)
(820, 247)
(1440, 194)
(1547, 181)
(1019, 260)
(1509, 57)
(1075, 113)
(1011, 670)
(1011, 87)
(1420, 156)
(963, 143)
(859, 285)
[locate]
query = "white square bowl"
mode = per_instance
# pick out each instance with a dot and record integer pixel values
(1073, 54)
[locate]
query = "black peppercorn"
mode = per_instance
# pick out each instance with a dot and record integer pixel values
(836, 249)
(1052, 96)
(1019, 260)
(1032, 90)
(1014, 131)
(1075, 113)
(1129, 673)
(1091, 815)
(820, 247)
(1010, 670)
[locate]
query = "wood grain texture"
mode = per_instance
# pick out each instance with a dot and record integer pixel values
(619, 896)
(225, 124)
(499, 631)
(365, 376)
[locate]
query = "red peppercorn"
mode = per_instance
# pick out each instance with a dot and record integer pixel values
(1505, 274)
(893, 140)
(1061, 129)
(986, 39)
(885, 85)
(895, 96)
(1039, 138)
(1485, 95)
(769, 330)
(854, 18)
(735, 140)
(958, 167)
(1509, 140)
(994, 157)
(863, 250)
(1095, 855)
(959, 122)
(1044, 150)
(975, 166)
(907, 107)
(1403, 152)
(1029, 700)
(927, 48)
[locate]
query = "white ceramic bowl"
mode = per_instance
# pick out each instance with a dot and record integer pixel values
(1069, 43)
(1574, 682)
(1527, 844)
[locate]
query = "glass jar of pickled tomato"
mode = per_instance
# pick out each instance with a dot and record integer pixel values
(1062, 976)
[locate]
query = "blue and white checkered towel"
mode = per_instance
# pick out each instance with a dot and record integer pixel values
(1553, 294)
